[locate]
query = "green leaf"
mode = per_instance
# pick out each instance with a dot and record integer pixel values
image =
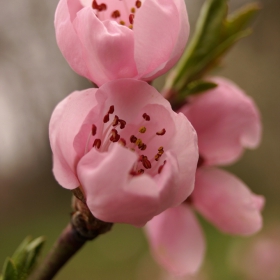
(199, 86)
(23, 260)
(214, 35)
(207, 35)
(34, 249)
(9, 270)
(239, 19)
(194, 87)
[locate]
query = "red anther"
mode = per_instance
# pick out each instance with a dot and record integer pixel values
(146, 117)
(162, 132)
(157, 157)
(115, 137)
(138, 4)
(146, 163)
(142, 146)
(94, 5)
(93, 129)
(122, 142)
(122, 123)
(116, 14)
(136, 173)
(97, 143)
(115, 121)
(160, 168)
(141, 158)
(112, 108)
(102, 7)
(106, 118)
(133, 139)
(131, 18)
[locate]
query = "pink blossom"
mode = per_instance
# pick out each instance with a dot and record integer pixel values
(259, 258)
(131, 154)
(109, 40)
(226, 121)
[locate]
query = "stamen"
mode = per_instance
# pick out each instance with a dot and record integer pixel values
(157, 157)
(132, 10)
(131, 18)
(142, 129)
(116, 14)
(160, 150)
(135, 173)
(93, 129)
(122, 124)
(122, 142)
(162, 132)
(133, 139)
(97, 143)
(111, 109)
(106, 118)
(142, 146)
(138, 4)
(94, 5)
(115, 137)
(146, 163)
(102, 7)
(122, 22)
(115, 121)
(161, 167)
(146, 117)
(138, 142)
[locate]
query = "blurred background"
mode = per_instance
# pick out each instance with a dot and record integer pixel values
(34, 77)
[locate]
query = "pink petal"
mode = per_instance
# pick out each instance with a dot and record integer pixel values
(187, 156)
(66, 37)
(156, 29)
(107, 46)
(176, 240)
(112, 195)
(179, 46)
(226, 122)
(227, 202)
(65, 123)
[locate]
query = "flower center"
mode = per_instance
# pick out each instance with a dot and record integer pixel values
(121, 11)
(113, 130)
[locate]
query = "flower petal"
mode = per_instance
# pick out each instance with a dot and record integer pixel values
(156, 29)
(107, 46)
(176, 240)
(72, 111)
(67, 39)
(227, 202)
(226, 122)
(115, 196)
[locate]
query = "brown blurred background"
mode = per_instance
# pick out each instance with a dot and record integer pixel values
(34, 77)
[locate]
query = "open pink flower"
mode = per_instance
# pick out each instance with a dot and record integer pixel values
(109, 40)
(226, 121)
(131, 154)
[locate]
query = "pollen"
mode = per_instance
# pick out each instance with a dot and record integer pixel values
(138, 4)
(116, 14)
(97, 143)
(161, 132)
(131, 18)
(122, 22)
(93, 129)
(132, 10)
(142, 129)
(146, 117)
